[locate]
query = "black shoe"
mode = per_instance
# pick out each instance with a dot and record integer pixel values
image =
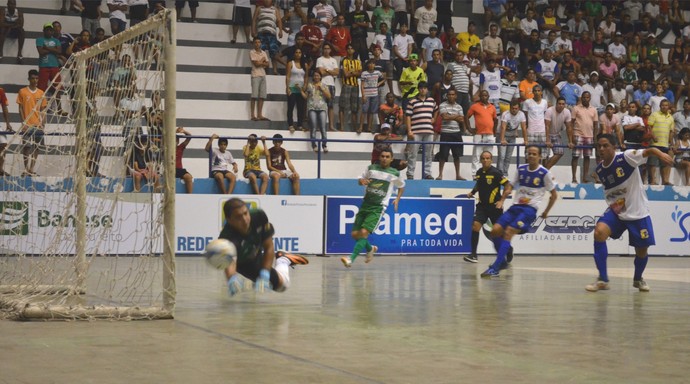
(471, 259)
(509, 256)
(504, 265)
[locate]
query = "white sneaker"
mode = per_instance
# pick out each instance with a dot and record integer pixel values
(370, 254)
(641, 285)
(599, 285)
(346, 261)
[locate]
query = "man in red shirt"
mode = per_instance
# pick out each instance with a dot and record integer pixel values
(485, 119)
(8, 128)
(339, 37)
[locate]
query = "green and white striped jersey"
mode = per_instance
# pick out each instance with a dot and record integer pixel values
(382, 184)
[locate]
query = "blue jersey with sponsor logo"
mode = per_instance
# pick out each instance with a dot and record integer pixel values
(530, 185)
(623, 188)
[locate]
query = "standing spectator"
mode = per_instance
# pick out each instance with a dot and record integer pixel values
(535, 109)
(547, 70)
(259, 60)
(118, 16)
(371, 81)
(431, 43)
(266, 24)
(450, 44)
(586, 125)
(50, 54)
(8, 129)
(492, 45)
(469, 39)
(409, 80)
(577, 25)
(193, 5)
(485, 118)
(461, 79)
(91, 15)
(610, 124)
(558, 119)
(511, 120)
(435, 71)
(349, 89)
(608, 70)
(384, 42)
(382, 14)
(400, 8)
(662, 126)
(359, 22)
(310, 35)
(317, 95)
(596, 92)
(138, 11)
(295, 78)
(633, 127)
(420, 114)
(569, 90)
(65, 38)
(642, 95)
(618, 93)
(328, 68)
(444, 14)
(424, 18)
(221, 160)
(452, 126)
(325, 14)
(32, 112)
(403, 46)
(339, 37)
(527, 85)
(252, 153)
(276, 162)
(180, 172)
(293, 20)
(493, 10)
(385, 67)
(681, 118)
(490, 81)
(241, 17)
(510, 29)
(12, 26)
(682, 158)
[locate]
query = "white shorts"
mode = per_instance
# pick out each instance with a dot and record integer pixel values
(288, 173)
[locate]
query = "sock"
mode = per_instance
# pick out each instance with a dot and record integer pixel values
(497, 243)
(475, 242)
(640, 265)
(283, 269)
(601, 252)
(503, 247)
(360, 245)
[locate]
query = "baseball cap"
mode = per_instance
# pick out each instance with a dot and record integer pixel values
(651, 35)
(619, 34)
(414, 56)
(385, 126)
(433, 26)
(612, 105)
(594, 73)
(47, 25)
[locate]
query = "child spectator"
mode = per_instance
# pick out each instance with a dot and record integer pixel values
(277, 159)
(180, 172)
(252, 163)
(259, 60)
(140, 166)
(221, 160)
(371, 81)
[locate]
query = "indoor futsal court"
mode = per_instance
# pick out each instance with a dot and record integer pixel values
(424, 319)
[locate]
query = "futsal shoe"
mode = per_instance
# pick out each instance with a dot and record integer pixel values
(294, 259)
(346, 261)
(641, 285)
(509, 256)
(489, 273)
(471, 259)
(504, 265)
(370, 254)
(599, 285)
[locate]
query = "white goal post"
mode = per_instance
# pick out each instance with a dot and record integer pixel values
(87, 212)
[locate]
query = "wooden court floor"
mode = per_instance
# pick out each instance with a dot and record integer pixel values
(396, 320)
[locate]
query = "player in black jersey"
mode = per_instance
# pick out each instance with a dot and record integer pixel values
(488, 183)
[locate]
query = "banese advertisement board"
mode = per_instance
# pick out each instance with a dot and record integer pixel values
(421, 226)
(298, 221)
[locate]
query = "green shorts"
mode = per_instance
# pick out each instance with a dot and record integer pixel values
(368, 217)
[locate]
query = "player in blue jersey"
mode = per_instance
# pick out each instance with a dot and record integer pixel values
(530, 183)
(628, 207)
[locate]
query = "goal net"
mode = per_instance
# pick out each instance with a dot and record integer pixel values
(87, 211)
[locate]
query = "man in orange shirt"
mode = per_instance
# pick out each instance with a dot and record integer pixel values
(485, 119)
(527, 85)
(32, 111)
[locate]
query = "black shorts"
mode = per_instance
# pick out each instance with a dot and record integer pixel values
(483, 212)
(180, 172)
(242, 16)
(457, 149)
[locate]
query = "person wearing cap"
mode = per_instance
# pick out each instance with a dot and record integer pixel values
(431, 43)
(382, 142)
(468, 39)
(585, 127)
(618, 51)
(596, 91)
(410, 77)
(424, 17)
(280, 166)
(420, 114)
(611, 124)
(49, 51)
(651, 51)
(682, 154)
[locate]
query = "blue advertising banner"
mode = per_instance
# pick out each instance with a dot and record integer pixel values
(421, 226)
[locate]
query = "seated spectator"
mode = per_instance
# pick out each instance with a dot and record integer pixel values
(278, 158)
(140, 166)
(682, 158)
(193, 5)
(180, 172)
(492, 45)
(252, 153)
(12, 26)
(79, 44)
(221, 160)
(493, 10)
(382, 142)
(403, 46)
(468, 39)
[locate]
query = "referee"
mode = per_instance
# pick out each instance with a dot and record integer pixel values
(490, 206)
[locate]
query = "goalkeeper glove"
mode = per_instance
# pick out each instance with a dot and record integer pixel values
(234, 285)
(263, 282)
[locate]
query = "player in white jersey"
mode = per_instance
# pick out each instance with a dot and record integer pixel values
(628, 207)
(530, 183)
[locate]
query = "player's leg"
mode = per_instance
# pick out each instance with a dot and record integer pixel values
(366, 221)
(516, 220)
(480, 217)
(641, 236)
(608, 226)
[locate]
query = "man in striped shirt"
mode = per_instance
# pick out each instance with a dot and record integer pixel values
(351, 69)
(461, 79)
(420, 114)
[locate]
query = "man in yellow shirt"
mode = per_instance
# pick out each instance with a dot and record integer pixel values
(252, 153)
(32, 111)
(468, 39)
(663, 126)
(410, 77)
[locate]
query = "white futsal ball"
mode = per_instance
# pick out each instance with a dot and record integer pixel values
(220, 253)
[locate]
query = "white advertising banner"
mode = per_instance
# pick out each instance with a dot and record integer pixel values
(671, 220)
(44, 223)
(298, 221)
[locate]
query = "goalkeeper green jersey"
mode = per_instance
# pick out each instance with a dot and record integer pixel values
(382, 183)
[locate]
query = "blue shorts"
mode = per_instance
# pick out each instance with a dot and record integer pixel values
(518, 216)
(640, 232)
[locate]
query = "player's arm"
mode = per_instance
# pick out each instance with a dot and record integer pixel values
(664, 157)
(507, 188)
(397, 198)
(552, 201)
